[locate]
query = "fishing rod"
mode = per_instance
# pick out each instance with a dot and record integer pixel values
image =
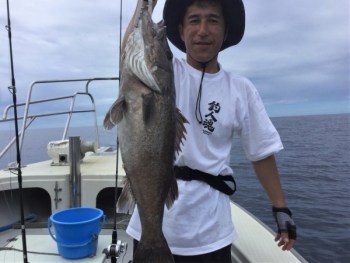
(117, 247)
(115, 233)
(13, 91)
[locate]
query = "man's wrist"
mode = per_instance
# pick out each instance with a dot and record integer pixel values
(281, 209)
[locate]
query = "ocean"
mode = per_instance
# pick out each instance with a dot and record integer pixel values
(314, 168)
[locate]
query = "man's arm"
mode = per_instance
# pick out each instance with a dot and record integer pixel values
(267, 173)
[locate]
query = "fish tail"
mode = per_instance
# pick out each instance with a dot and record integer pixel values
(157, 253)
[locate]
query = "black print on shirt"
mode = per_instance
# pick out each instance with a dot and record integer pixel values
(208, 123)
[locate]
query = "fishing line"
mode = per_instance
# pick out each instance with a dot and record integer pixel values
(7, 203)
(10, 113)
(126, 250)
(11, 172)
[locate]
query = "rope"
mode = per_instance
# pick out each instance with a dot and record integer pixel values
(199, 97)
(32, 252)
(94, 240)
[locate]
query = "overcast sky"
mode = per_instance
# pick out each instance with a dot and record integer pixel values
(296, 52)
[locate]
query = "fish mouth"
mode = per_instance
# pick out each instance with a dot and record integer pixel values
(145, 57)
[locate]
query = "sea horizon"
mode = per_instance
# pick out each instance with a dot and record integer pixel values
(49, 126)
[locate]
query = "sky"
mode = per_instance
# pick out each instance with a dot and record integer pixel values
(295, 52)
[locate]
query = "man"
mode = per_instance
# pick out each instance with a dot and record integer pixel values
(198, 228)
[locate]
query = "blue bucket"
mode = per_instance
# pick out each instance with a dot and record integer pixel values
(77, 231)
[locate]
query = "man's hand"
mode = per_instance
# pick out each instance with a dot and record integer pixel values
(287, 233)
(130, 27)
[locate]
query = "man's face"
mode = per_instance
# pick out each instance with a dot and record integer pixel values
(203, 31)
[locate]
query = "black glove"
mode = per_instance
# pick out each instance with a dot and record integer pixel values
(285, 223)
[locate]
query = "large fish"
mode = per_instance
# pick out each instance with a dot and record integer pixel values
(150, 130)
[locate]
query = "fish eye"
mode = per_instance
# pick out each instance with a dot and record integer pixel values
(169, 54)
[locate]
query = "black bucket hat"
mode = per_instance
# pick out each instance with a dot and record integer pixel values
(235, 18)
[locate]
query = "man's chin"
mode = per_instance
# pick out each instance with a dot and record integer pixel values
(204, 59)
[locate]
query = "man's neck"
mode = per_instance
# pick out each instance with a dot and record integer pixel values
(210, 67)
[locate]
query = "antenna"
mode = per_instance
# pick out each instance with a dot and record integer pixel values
(13, 91)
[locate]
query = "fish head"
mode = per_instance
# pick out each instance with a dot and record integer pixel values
(157, 53)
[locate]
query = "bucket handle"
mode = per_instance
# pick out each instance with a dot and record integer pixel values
(49, 228)
(102, 223)
(75, 245)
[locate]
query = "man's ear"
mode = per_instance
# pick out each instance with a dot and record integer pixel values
(226, 33)
(181, 32)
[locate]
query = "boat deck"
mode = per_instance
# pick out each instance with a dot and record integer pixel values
(254, 244)
(39, 244)
(255, 241)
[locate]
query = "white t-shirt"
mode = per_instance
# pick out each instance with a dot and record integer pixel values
(200, 220)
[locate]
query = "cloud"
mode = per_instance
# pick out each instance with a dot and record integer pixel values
(293, 51)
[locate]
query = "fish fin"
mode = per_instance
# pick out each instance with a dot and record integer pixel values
(173, 193)
(159, 252)
(114, 114)
(180, 130)
(148, 109)
(126, 201)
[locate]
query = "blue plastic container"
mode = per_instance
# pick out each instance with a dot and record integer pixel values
(77, 231)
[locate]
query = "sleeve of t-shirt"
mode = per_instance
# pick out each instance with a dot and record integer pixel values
(259, 137)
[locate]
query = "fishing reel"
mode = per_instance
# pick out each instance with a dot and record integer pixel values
(116, 250)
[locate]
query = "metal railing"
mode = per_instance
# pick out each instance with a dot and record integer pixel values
(28, 119)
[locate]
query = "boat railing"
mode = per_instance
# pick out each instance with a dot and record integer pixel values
(28, 119)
